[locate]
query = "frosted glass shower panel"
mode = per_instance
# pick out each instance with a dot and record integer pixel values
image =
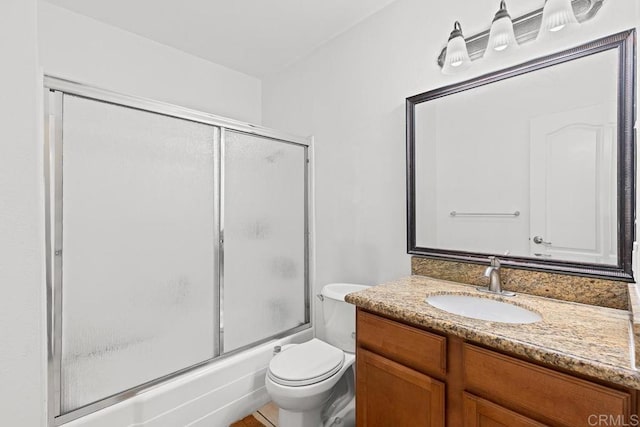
(264, 238)
(138, 248)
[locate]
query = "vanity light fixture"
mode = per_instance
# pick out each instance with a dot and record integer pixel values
(501, 35)
(528, 26)
(457, 57)
(556, 15)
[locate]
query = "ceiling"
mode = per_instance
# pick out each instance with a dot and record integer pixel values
(256, 37)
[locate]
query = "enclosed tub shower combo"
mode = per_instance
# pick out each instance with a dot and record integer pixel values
(175, 238)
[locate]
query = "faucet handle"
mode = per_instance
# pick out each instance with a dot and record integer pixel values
(488, 270)
(495, 263)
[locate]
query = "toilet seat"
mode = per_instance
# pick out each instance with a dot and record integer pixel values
(306, 364)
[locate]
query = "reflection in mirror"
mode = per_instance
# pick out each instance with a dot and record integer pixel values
(528, 165)
(541, 144)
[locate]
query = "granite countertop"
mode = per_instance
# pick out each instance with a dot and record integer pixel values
(585, 339)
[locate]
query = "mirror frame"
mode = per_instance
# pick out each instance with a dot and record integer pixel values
(625, 43)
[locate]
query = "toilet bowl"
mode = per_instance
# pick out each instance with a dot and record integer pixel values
(313, 383)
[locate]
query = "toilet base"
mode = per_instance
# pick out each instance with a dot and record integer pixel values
(345, 417)
(338, 410)
(299, 419)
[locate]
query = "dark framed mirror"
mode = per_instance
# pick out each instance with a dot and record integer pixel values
(534, 163)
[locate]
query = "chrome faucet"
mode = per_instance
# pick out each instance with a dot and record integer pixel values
(493, 273)
(495, 283)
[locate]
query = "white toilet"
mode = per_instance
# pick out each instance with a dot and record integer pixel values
(313, 383)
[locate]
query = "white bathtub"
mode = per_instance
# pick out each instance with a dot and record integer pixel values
(211, 396)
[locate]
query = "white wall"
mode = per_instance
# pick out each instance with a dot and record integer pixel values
(350, 95)
(78, 48)
(22, 331)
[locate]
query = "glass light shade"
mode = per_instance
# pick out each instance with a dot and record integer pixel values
(457, 57)
(556, 15)
(501, 35)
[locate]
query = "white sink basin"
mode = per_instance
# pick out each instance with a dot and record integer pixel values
(483, 308)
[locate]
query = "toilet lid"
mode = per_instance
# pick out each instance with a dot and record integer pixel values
(306, 364)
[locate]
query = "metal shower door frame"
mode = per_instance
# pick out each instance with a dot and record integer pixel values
(55, 89)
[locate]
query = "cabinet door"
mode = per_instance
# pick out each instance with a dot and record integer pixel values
(482, 413)
(390, 394)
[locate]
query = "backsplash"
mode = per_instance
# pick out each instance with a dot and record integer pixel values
(585, 290)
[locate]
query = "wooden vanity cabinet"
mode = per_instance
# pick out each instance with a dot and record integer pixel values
(395, 364)
(407, 376)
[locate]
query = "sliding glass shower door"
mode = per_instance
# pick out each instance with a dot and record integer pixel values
(265, 238)
(139, 238)
(174, 238)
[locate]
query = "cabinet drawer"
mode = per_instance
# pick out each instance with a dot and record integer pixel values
(412, 347)
(558, 398)
(482, 413)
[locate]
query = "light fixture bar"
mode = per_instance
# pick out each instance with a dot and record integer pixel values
(526, 28)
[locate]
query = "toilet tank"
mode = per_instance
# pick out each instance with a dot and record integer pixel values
(340, 316)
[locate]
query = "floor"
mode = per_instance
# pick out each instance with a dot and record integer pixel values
(265, 416)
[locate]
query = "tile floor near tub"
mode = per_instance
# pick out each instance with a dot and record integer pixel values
(265, 416)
